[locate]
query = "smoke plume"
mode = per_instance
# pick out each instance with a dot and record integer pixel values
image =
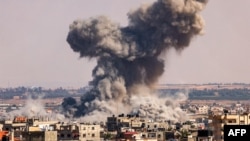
(34, 108)
(128, 57)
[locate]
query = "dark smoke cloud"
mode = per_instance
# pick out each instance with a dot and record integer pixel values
(128, 57)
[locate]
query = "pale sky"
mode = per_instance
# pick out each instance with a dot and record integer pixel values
(34, 51)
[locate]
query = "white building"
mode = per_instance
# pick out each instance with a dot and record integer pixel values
(202, 109)
(90, 132)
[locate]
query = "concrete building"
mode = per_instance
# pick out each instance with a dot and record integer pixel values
(218, 122)
(31, 128)
(141, 137)
(202, 109)
(90, 132)
(15, 126)
(156, 126)
(41, 121)
(111, 124)
(137, 128)
(67, 132)
(39, 136)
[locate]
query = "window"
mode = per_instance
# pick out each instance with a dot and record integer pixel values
(93, 135)
(159, 136)
(62, 135)
(93, 128)
(83, 128)
(232, 121)
(242, 122)
(68, 135)
(84, 135)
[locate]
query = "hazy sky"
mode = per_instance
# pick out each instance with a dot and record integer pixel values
(34, 51)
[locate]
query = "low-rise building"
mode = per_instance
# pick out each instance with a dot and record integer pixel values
(39, 136)
(89, 132)
(67, 132)
(218, 122)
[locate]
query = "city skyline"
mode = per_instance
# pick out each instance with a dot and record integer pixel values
(34, 51)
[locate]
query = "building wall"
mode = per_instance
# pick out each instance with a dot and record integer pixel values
(68, 132)
(50, 136)
(112, 124)
(218, 122)
(89, 132)
(156, 126)
(40, 136)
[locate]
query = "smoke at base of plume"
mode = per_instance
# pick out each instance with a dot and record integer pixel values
(148, 105)
(128, 57)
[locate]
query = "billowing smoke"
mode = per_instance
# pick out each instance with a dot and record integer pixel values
(160, 108)
(128, 58)
(34, 108)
